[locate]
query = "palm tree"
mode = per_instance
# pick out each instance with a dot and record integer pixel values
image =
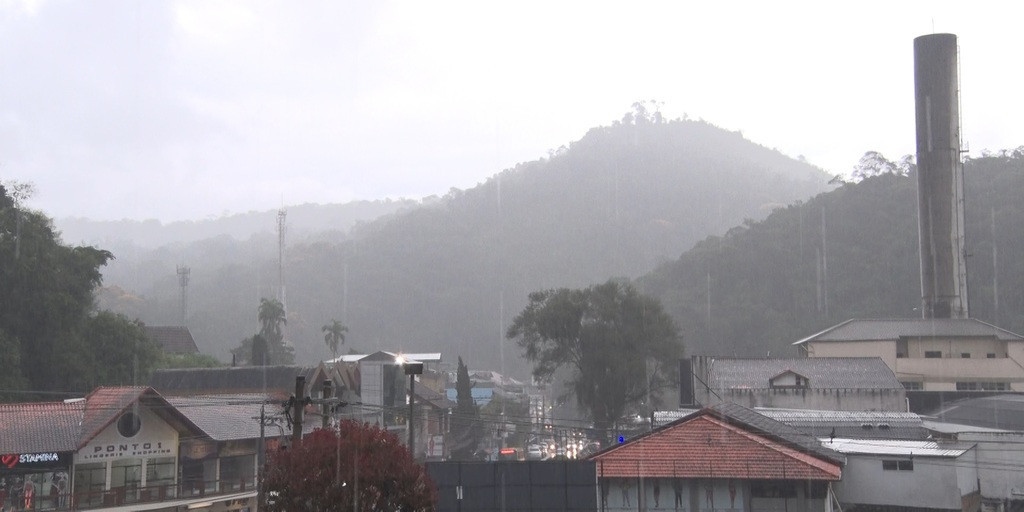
(271, 316)
(334, 335)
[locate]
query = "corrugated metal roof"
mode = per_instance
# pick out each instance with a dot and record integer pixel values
(821, 372)
(853, 424)
(998, 411)
(893, 329)
(896, 447)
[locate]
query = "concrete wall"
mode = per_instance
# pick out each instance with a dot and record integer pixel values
(1000, 463)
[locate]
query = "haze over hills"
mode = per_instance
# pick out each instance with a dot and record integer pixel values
(448, 276)
(848, 253)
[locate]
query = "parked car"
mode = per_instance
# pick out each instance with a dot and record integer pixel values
(534, 452)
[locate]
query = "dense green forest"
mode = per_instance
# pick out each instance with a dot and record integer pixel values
(450, 275)
(848, 253)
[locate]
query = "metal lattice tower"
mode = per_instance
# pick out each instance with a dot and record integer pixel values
(183, 277)
(281, 228)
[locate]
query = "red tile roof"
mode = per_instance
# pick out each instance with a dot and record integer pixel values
(40, 427)
(104, 406)
(705, 446)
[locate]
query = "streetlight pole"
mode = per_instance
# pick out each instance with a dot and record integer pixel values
(412, 369)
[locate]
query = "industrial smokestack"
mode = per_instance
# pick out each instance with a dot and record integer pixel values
(940, 178)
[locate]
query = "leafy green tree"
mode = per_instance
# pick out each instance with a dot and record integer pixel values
(272, 317)
(466, 429)
(116, 351)
(334, 335)
(356, 466)
(10, 360)
(47, 309)
(621, 347)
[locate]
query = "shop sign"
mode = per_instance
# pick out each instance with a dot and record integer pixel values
(102, 451)
(33, 460)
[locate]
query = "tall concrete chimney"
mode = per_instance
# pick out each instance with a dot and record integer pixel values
(940, 178)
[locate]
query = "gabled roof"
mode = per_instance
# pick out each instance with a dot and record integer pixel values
(105, 405)
(40, 427)
(230, 380)
(894, 329)
(821, 372)
(236, 417)
(173, 339)
(723, 442)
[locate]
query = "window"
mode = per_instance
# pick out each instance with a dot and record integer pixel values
(982, 386)
(990, 355)
(933, 354)
(913, 386)
(965, 355)
(897, 465)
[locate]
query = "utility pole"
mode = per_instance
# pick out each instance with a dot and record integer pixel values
(297, 408)
(325, 404)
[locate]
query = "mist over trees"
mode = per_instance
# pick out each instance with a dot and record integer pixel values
(848, 253)
(450, 275)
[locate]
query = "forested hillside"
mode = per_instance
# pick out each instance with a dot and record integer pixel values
(848, 253)
(449, 276)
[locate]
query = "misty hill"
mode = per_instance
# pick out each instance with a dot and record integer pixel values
(302, 220)
(765, 278)
(449, 276)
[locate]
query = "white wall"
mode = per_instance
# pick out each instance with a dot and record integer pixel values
(929, 485)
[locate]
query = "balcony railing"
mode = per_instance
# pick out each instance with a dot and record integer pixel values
(129, 495)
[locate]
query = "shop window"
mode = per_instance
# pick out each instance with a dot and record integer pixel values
(237, 473)
(160, 473)
(933, 354)
(90, 480)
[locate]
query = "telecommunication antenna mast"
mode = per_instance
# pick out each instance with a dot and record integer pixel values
(281, 228)
(183, 277)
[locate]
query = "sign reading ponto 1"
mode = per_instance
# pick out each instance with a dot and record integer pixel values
(119, 450)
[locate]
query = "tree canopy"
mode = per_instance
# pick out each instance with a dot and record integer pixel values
(621, 346)
(355, 466)
(466, 428)
(48, 321)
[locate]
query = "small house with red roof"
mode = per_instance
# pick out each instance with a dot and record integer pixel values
(725, 457)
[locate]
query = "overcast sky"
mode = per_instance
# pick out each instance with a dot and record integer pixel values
(190, 110)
